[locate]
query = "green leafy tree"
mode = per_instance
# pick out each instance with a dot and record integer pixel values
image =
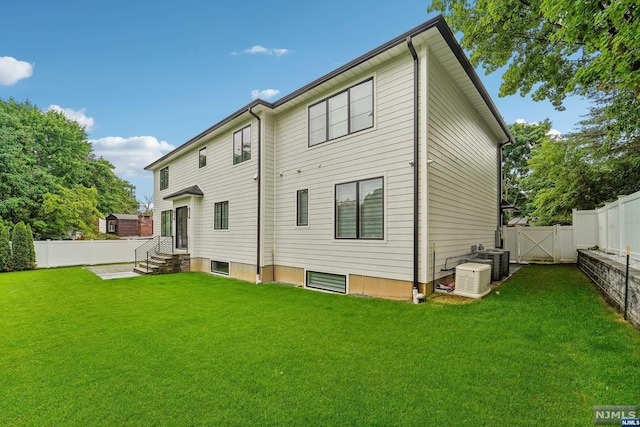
(41, 151)
(115, 195)
(582, 170)
(553, 48)
(23, 254)
(515, 162)
(5, 249)
(68, 213)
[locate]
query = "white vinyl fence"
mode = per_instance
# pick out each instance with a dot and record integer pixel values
(612, 228)
(540, 244)
(61, 253)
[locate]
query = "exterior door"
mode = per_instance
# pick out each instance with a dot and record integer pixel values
(182, 238)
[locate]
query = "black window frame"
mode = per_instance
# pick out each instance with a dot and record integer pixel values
(218, 215)
(299, 223)
(242, 145)
(326, 102)
(166, 222)
(202, 158)
(357, 199)
(164, 178)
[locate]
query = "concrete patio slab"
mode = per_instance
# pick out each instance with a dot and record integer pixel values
(113, 271)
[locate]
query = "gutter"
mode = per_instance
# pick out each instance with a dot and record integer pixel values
(416, 168)
(259, 203)
(509, 141)
(437, 22)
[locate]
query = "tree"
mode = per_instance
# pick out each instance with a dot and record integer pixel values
(68, 213)
(515, 162)
(146, 205)
(5, 249)
(554, 48)
(43, 151)
(23, 254)
(583, 170)
(115, 195)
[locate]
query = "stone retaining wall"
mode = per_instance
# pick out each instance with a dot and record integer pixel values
(609, 277)
(179, 263)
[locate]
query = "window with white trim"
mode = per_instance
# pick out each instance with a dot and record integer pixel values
(242, 145)
(344, 113)
(359, 209)
(202, 157)
(220, 267)
(302, 208)
(221, 216)
(164, 178)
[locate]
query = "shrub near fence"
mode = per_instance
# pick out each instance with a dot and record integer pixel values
(63, 253)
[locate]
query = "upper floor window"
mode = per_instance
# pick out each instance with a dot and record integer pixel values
(202, 157)
(360, 209)
(343, 113)
(242, 145)
(164, 178)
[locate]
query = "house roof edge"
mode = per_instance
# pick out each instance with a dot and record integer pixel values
(437, 22)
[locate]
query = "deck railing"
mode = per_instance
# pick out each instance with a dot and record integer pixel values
(159, 244)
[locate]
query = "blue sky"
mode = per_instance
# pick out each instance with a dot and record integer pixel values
(144, 77)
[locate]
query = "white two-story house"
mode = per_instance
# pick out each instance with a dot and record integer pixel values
(353, 183)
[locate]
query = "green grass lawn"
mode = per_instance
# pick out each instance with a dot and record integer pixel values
(193, 349)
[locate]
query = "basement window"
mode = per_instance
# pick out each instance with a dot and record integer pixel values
(327, 282)
(220, 267)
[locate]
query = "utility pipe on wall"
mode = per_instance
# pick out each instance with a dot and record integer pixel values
(416, 168)
(259, 207)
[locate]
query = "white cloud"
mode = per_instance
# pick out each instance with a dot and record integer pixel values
(554, 134)
(264, 93)
(526, 123)
(12, 70)
(130, 155)
(77, 116)
(257, 49)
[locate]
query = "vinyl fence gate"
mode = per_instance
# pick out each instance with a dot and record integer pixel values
(553, 244)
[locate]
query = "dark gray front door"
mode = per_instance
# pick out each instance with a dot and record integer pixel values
(182, 239)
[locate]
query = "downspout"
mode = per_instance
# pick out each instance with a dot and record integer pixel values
(415, 169)
(499, 242)
(259, 207)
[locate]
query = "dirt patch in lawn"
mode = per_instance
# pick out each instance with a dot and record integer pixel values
(450, 299)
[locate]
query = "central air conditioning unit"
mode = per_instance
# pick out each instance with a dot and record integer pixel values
(472, 280)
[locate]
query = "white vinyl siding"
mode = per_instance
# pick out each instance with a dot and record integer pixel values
(381, 151)
(462, 177)
(219, 181)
